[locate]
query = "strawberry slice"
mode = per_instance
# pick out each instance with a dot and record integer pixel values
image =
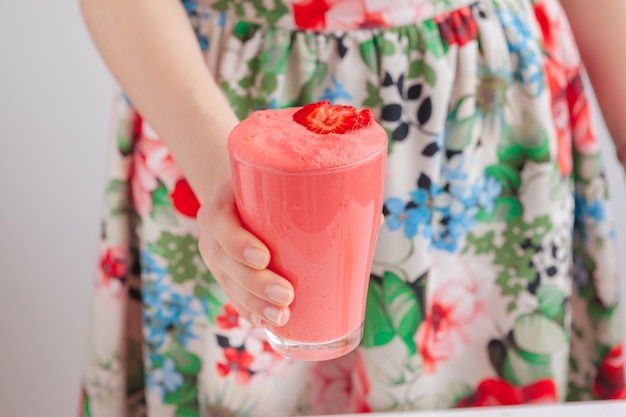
(324, 118)
(366, 117)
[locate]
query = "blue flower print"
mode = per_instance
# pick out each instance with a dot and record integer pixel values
(166, 313)
(412, 217)
(588, 213)
(336, 93)
(462, 221)
(181, 305)
(435, 199)
(488, 193)
(457, 173)
(447, 242)
(597, 211)
(165, 379)
(190, 6)
(521, 43)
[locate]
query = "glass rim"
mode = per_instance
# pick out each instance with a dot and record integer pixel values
(315, 171)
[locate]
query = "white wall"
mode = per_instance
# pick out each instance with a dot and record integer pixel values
(55, 100)
(55, 97)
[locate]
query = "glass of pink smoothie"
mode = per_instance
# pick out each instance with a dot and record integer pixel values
(315, 200)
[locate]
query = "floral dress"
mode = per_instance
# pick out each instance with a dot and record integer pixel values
(494, 280)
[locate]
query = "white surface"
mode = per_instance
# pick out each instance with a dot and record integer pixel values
(604, 409)
(54, 114)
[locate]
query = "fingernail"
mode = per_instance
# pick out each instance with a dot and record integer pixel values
(279, 294)
(256, 257)
(274, 315)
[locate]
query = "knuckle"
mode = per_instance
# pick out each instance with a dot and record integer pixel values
(249, 301)
(247, 280)
(217, 253)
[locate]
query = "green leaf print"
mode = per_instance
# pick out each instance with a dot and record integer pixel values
(481, 245)
(317, 78)
(187, 393)
(373, 99)
(221, 5)
(185, 264)
(539, 153)
(86, 406)
(162, 210)
(528, 140)
(264, 12)
(378, 328)
(587, 168)
(420, 68)
(519, 371)
(416, 69)
(182, 255)
(390, 143)
(244, 31)
(116, 197)
(403, 307)
(186, 411)
(369, 54)
(507, 208)
(458, 133)
(551, 300)
(274, 58)
(124, 145)
(513, 255)
(432, 39)
(253, 68)
(186, 362)
(507, 177)
(459, 127)
(242, 105)
(512, 155)
(388, 48)
(537, 336)
(269, 82)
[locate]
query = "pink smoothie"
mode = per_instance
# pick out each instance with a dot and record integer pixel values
(315, 200)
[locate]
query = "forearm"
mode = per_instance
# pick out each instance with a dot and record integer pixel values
(600, 31)
(152, 51)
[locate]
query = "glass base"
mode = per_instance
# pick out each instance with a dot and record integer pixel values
(316, 351)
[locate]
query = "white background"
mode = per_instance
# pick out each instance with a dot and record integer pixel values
(55, 102)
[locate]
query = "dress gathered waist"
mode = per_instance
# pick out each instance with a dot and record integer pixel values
(334, 15)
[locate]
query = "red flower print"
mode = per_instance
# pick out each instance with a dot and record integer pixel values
(556, 79)
(230, 318)
(319, 15)
(151, 162)
(184, 200)
(584, 136)
(562, 66)
(341, 385)
(451, 320)
(237, 362)
(113, 264)
(113, 269)
(267, 348)
(495, 392)
(609, 382)
(457, 27)
(310, 14)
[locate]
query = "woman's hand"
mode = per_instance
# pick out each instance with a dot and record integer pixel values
(238, 261)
